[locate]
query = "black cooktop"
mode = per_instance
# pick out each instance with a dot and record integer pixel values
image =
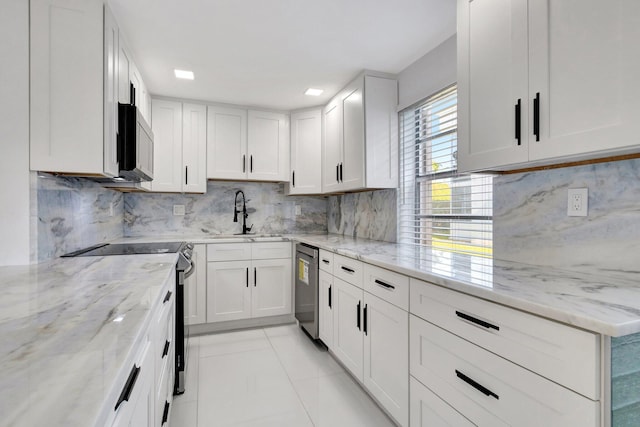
(127, 249)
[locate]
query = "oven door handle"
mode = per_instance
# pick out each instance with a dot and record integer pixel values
(191, 270)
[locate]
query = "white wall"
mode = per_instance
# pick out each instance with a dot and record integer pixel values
(434, 71)
(14, 132)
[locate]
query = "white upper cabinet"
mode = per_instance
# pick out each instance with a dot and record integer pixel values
(360, 146)
(180, 147)
(546, 82)
(247, 145)
(306, 150)
(70, 87)
(226, 143)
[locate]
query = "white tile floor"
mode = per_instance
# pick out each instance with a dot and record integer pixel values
(272, 376)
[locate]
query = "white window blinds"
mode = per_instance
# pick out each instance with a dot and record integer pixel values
(439, 207)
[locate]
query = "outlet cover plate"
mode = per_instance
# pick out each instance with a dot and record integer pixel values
(577, 201)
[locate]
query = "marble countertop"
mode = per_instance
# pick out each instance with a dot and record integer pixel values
(596, 300)
(69, 329)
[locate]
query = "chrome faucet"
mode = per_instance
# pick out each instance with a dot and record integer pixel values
(245, 215)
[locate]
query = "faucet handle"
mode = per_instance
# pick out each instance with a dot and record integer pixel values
(249, 228)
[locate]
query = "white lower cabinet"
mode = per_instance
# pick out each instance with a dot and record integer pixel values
(325, 304)
(248, 287)
(195, 289)
(348, 340)
(428, 410)
(490, 390)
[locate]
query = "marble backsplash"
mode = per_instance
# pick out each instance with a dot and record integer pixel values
(270, 211)
(531, 223)
(68, 214)
(371, 214)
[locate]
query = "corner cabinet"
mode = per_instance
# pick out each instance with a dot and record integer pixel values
(360, 146)
(180, 132)
(546, 82)
(247, 144)
(306, 150)
(74, 81)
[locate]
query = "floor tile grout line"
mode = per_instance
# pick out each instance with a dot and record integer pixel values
(290, 380)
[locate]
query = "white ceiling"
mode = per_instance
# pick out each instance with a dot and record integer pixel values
(265, 53)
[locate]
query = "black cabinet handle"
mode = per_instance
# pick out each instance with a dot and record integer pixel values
(326, 261)
(255, 277)
(365, 319)
(166, 349)
(293, 178)
(165, 412)
(186, 175)
(251, 163)
(247, 277)
(477, 321)
(358, 320)
(482, 389)
(347, 269)
(128, 386)
(337, 173)
(341, 180)
(518, 121)
(244, 163)
(329, 296)
(167, 297)
(384, 285)
(536, 116)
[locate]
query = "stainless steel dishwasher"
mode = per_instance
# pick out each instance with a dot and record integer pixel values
(307, 288)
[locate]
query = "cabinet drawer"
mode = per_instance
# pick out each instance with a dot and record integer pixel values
(489, 390)
(428, 410)
(559, 352)
(326, 261)
(391, 287)
(228, 251)
(348, 269)
(271, 250)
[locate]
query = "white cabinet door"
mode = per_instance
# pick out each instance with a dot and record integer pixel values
(228, 291)
(139, 409)
(271, 293)
(492, 78)
(428, 410)
(66, 86)
(583, 65)
(111, 71)
(352, 166)
(306, 151)
(268, 146)
(325, 311)
(194, 148)
(125, 70)
(347, 326)
(226, 143)
(195, 289)
(332, 146)
(386, 356)
(167, 156)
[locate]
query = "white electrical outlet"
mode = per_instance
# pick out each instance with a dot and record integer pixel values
(298, 210)
(111, 208)
(178, 210)
(578, 201)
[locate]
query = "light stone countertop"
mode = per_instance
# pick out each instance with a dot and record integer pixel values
(69, 331)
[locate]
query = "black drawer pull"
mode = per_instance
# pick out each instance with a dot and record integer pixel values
(251, 163)
(358, 318)
(477, 321)
(326, 261)
(347, 269)
(337, 173)
(365, 319)
(247, 277)
(341, 180)
(167, 297)
(165, 413)
(165, 351)
(128, 386)
(518, 121)
(294, 178)
(384, 285)
(255, 277)
(536, 116)
(244, 163)
(329, 296)
(482, 389)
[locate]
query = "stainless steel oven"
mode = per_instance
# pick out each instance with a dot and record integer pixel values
(306, 288)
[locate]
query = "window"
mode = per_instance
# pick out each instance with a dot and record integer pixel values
(439, 207)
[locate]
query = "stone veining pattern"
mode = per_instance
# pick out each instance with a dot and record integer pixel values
(371, 215)
(72, 213)
(270, 211)
(531, 223)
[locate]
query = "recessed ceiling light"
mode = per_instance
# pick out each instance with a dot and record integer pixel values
(313, 92)
(182, 74)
